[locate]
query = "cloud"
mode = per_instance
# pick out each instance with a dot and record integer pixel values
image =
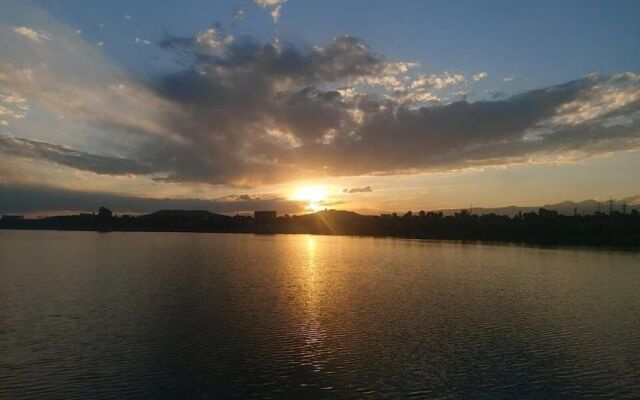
(32, 34)
(411, 90)
(400, 67)
(213, 39)
(28, 199)
(366, 189)
(237, 13)
(480, 76)
(507, 79)
(496, 94)
(243, 112)
(62, 155)
(12, 107)
(274, 5)
(204, 44)
(76, 86)
(438, 81)
(142, 41)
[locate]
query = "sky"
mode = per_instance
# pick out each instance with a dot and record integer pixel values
(371, 106)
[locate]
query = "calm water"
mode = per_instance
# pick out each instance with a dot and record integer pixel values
(179, 315)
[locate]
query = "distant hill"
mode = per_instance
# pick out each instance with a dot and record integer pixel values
(184, 215)
(585, 207)
(182, 220)
(333, 214)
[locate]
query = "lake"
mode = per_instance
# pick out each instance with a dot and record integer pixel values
(87, 315)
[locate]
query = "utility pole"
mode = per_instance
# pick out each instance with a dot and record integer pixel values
(610, 205)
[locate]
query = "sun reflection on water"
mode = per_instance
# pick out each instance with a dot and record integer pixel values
(311, 251)
(311, 328)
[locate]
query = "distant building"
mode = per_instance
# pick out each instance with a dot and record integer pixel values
(265, 217)
(12, 217)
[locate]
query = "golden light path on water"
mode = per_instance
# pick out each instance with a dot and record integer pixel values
(312, 328)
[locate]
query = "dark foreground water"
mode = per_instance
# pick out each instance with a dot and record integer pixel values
(177, 315)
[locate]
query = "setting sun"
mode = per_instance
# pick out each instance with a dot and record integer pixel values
(313, 195)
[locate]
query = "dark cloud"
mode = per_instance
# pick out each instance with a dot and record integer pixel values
(246, 113)
(366, 189)
(15, 198)
(496, 94)
(344, 57)
(72, 158)
(269, 101)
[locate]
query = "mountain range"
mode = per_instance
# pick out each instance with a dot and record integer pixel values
(584, 207)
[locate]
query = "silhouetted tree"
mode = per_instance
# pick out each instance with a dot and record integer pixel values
(547, 213)
(105, 213)
(462, 214)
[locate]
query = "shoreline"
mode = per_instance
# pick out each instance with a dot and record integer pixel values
(544, 244)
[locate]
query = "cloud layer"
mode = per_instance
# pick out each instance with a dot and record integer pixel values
(26, 199)
(237, 111)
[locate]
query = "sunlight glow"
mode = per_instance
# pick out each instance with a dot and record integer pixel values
(313, 195)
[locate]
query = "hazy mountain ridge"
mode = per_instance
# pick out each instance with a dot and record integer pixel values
(567, 207)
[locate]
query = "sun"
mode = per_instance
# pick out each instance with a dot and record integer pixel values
(312, 195)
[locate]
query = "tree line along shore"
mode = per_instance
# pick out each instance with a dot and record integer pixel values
(542, 227)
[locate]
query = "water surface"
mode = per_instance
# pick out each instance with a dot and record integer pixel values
(86, 315)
